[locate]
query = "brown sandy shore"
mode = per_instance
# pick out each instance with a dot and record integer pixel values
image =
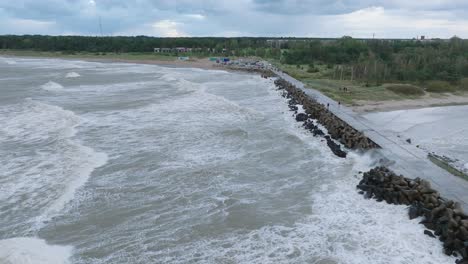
(202, 63)
(423, 102)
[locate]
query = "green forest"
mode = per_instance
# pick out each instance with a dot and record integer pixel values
(365, 60)
(387, 60)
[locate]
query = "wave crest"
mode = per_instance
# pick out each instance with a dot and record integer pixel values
(52, 87)
(72, 75)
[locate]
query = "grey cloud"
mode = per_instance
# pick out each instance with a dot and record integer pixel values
(303, 6)
(215, 17)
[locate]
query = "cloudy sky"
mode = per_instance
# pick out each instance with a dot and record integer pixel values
(300, 18)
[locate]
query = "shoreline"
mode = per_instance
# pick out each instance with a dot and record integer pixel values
(360, 107)
(198, 63)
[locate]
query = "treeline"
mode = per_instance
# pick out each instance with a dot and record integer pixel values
(346, 58)
(386, 60)
(124, 44)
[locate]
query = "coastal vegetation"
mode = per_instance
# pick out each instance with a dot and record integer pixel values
(440, 87)
(405, 89)
(370, 69)
(464, 84)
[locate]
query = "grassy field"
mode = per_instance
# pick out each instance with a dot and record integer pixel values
(357, 91)
(97, 55)
(334, 88)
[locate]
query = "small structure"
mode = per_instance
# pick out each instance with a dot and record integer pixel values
(183, 58)
(162, 50)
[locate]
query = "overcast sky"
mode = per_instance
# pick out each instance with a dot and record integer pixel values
(299, 18)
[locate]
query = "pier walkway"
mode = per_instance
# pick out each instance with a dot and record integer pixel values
(409, 160)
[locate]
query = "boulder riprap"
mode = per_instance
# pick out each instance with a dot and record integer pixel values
(442, 216)
(301, 117)
(337, 128)
(314, 111)
(335, 148)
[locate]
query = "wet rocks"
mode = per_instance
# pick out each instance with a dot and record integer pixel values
(335, 148)
(316, 131)
(264, 73)
(429, 233)
(301, 117)
(337, 128)
(444, 218)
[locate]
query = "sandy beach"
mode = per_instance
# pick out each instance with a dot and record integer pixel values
(200, 63)
(423, 102)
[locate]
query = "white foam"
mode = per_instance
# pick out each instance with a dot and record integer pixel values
(56, 63)
(34, 120)
(343, 228)
(9, 62)
(72, 75)
(52, 86)
(92, 160)
(27, 250)
(168, 77)
(46, 179)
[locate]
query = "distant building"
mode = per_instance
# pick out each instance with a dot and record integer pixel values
(185, 50)
(162, 50)
(180, 49)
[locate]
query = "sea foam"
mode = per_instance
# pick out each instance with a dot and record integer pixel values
(26, 250)
(52, 87)
(59, 166)
(72, 75)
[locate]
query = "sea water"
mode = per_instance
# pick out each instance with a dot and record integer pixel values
(127, 163)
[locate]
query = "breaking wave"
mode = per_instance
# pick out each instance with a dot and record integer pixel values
(52, 87)
(72, 75)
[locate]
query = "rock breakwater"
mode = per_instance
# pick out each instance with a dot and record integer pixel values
(264, 73)
(442, 217)
(337, 129)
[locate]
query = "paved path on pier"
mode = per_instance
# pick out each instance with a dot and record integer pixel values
(410, 161)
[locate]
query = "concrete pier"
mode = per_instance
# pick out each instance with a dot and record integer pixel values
(409, 160)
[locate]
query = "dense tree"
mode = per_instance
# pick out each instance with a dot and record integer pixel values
(366, 60)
